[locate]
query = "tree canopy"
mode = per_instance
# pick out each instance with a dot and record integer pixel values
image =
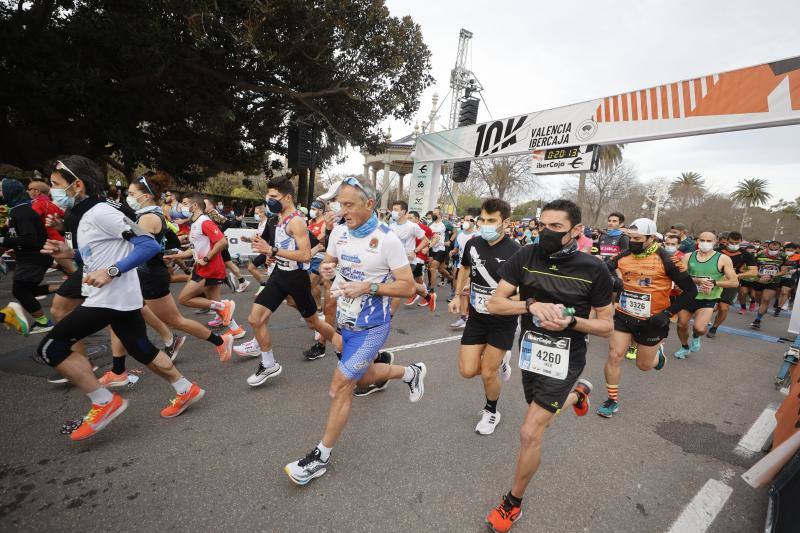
(197, 87)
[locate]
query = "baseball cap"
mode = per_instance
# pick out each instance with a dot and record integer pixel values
(644, 226)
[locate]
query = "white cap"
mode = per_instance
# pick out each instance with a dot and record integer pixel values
(331, 193)
(644, 226)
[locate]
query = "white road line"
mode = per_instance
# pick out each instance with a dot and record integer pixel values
(757, 435)
(703, 509)
(423, 343)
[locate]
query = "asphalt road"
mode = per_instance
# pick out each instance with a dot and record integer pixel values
(399, 466)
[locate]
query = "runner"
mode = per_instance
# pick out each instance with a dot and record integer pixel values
(234, 278)
(712, 272)
(613, 241)
(642, 314)
(414, 241)
(111, 247)
(487, 339)
(39, 193)
(464, 236)
(418, 270)
(551, 276)
(370, 266)
(292, 253)
(261, 216)
(771, 264)
(789, 279)
(316, 225)
(438, 254)
(744, 264)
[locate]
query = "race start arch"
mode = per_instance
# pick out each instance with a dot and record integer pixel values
(760, 96)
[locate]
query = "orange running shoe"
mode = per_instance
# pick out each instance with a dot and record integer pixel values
(224, 350)
(226, 313)
(413, 299)
(237, 333)
(501, 518)
(110, 379)
(582, 389)
(181, 402)
(432, 302)
(99, 417)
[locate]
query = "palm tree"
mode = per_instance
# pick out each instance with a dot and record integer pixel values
(748, 193)
(610, 157)
(686, 186)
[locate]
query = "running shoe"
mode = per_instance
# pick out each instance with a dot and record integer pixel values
(99, 416)
(416, 387)
(505, 366)
(460, 323)
(238, 333)
(57, 379)
(224, 349)
(215, 323)
(582, 390)
(14, 318)
(423, 302)
(742, 311)
(682, 353)
(712, 332)
(488, 422)
(230, 281)
(777, 312)
(662, 357)
(501, 518)
(110, 379)
(226, 313)
(694, 344)
(412, 300)
(177, 343)
(309, 467)
(432, 302)
(263, 374)
(631, 353)
(248, 349)
(608, 408)
(386, 358)
(205, 312)
(315, 352)
(41, 328)
(756, 324)
(243, 286)
(181, 402)
(752, 307)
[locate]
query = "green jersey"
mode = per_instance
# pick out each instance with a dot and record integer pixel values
(709, 270)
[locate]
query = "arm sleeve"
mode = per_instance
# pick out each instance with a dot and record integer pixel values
(212, 231)
(394, 252)
(511, 270)
(678, 274)
(145, 248)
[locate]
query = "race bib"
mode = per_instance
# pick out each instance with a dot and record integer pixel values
(609, 249)
(768, 269)
(478, 296)
(85, 288)
(545, 355)
(348, 309)
(635, 303)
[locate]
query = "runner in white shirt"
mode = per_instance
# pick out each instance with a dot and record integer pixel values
(370, 266)
(438, 253)
(467, 232)
(409, 232)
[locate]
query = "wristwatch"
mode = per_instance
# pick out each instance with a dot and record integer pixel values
(572, 323)
(113, 271)
(528, 303)
(275, 251)
(373, 289)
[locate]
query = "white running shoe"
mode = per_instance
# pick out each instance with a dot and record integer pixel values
(248, 349)
(243, 286)
(488, 423)
(505, 366)
(460, 323)
(416, 388)
(309, 467)
(263, 374)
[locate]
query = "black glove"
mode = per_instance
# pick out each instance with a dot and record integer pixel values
(659, 320)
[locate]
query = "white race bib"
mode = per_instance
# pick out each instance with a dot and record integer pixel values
(768, 269)
(478, 296)
(348, 309)
(635, 303)
(545, 355)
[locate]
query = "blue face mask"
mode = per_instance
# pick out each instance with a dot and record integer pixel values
(274, 206)
(489, 233)
(614, 232)
(61, 198)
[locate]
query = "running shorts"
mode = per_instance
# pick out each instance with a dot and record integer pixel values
(154, 282)
(788, 283)
(745, 283)
(729, 295)
(71, 288)
(226, 255)
(440, 256)
(551, 393)
(643, 333)
(30, 272)
(417, 270)
(757, 286)
(314, 265)
(480, 330)
(294, 283)
(259, 260)
(702, 304)
(209, 281)
(360, 348)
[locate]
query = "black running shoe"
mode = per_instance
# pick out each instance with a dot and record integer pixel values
(315, 352)
(756, 324)
(385, 358)
(712, 332)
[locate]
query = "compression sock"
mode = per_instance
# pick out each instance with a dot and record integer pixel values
(182, 386)
(513, 500)
(101, 396)
(268, 359)
(118, 365)
(685, 346)
(324, 451)
(613, 392)
(214, 339)
(491, 405)
(217, 306)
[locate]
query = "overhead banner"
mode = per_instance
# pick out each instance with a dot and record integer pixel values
(567, 160)
(754, 97)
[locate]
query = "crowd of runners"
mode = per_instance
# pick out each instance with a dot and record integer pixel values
(544, 284)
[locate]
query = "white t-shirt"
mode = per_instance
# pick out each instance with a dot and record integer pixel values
(439, 229)
(371, 259)
(408, 232)
(101, 245)
(461, 241)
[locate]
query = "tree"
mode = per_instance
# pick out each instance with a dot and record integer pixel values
(609, 189)
(749, 193)
(688, 186)
(610, 156)
(504, 175)
(527, 209)
(199, 87)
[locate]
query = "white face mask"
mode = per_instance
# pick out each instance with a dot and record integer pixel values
(670, 248)
(706, 246)
(395, 215)
(773, 253)
(466, 225)
(335, 207)
(733, 247)
(186, 211)
(312, 213)
(257, 217)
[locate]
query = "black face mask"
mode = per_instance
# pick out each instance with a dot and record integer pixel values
(550, 241)
(636, 247)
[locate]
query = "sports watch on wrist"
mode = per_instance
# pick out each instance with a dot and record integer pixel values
(373, 289)
(572, 323)
(528, 303)
(275, 251)
(113, 271)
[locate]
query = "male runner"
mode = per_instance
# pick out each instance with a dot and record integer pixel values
(643, 311)
(771, 264)
(551, 276)
(613, 241)
(418, 270)
(372, 268)
(711, 272)
(487, 338)
(789, 279)
(414, 240)
(438, 253)
(292, 253)
(462, 238)
(744, 264)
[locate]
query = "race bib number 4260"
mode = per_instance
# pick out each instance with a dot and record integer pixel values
(545, 355)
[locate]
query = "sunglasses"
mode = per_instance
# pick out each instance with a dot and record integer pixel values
(143, 181)
(61, 166)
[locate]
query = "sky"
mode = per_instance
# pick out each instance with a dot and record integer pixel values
(531, 56)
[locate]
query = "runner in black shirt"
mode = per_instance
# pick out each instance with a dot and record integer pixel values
(487, 338)
(551, 276)
(744, 264)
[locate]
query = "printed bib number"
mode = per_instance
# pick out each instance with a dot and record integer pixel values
(635, 303)
(767, 270)
(348, 309)
(478, 296)
(545, 355)
(609, 249)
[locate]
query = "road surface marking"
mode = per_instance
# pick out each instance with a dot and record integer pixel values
(423, 343)
(757, 435)
(703, 509)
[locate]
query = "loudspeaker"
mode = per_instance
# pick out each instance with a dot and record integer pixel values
(467, 116)
(299, 147)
